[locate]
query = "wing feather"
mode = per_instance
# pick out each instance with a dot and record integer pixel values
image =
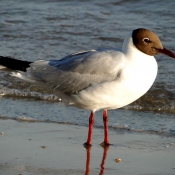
(78, 71)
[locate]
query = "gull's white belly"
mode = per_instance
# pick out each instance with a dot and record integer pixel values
(135, 80)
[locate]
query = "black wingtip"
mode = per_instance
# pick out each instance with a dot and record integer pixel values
(14, 64)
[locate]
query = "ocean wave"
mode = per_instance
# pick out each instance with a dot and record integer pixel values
(149, 102)
(115, 126)
(27, 94)
(159, 99)
(26, 119)
(127, 128)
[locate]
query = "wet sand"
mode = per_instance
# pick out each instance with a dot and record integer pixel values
(47, 148)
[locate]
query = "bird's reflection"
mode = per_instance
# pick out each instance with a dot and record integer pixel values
(88, 159)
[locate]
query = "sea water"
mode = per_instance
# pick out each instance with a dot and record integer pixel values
(51, 29)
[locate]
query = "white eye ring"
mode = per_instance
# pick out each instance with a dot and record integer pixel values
(146, 40)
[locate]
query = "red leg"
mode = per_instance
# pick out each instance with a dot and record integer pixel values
(91, 123)
(105, 121)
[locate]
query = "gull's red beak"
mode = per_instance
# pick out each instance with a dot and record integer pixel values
(166, 52)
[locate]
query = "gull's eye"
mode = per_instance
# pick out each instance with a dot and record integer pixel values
(146, 40)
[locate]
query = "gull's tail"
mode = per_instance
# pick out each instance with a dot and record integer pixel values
(14, 64)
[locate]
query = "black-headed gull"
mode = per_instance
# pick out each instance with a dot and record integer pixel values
(98, 79)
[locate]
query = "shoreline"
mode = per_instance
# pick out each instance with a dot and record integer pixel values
(119, 130)
(52, 148)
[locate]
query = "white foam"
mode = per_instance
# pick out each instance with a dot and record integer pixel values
(123, 126)
(24, 118)
(2, 67)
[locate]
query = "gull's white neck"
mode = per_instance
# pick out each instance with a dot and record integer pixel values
(139, 73)
(130, 50)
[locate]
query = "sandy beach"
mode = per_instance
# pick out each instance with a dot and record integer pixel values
(47, 148)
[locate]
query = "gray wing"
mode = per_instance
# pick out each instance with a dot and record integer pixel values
(78, 71)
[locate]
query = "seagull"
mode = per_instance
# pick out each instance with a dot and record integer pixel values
(98, 79)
